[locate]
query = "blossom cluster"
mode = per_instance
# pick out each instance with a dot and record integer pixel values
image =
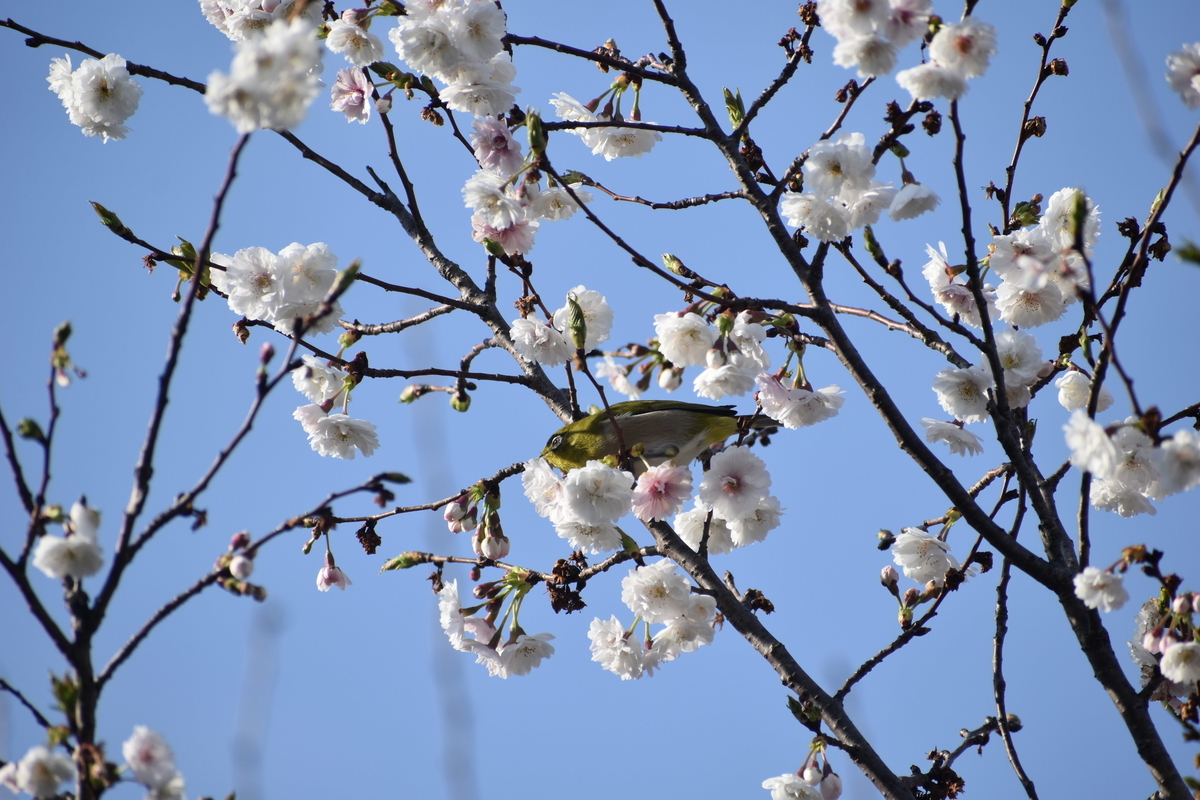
(870, 33)
(98, 96)
(280, 288)
(1101, 588)
(656, 594)
(1128, 469)
(148, 758)
(549, 343)
(1166, 642)
(923, 557)
(1039, 267)
(841, 193)
(1183, 74)
(274, 76)
(731, 353)
(508, 210)
(242, 20)
(518, 655)
(614, 142)
(957, 52)
(459, 42)
(813, 783)
(330, 434)
(585, 505)
(76, 555)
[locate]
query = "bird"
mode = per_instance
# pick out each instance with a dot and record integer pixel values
(667, 430)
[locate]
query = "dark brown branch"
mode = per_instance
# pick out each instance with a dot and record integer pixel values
(928, 336)
(798, 162)
(619, 64)
(1022, 135)
(767, 94)
(415, 292)
(16, 572)
(637, 126)
(14, 463)
(127, 649)
(37, 715)
(398, 325)
(999, 685)
(673, 205)
(144, 469)
(34, 528)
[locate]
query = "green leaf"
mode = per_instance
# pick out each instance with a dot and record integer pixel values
(1188, 253)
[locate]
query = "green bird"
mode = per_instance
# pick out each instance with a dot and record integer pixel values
(667, 430)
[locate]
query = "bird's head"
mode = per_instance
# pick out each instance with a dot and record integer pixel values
(572, 446)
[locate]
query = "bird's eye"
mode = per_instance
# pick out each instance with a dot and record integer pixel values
(555, 441)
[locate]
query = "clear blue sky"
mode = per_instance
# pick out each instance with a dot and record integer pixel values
(356, 693)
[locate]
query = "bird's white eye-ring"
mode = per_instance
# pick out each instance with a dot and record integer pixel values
(555, 441)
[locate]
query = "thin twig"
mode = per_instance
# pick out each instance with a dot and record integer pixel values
(999, 685)
(144, 468)
(14, 463)
(620, 64)
(398, 325)
(1022, 135)
(132, 644)
(37, 715)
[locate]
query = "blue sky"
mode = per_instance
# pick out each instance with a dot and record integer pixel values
(357, 692)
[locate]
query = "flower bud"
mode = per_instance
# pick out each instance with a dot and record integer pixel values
(812, 774)
(241, 567)
(1182, 604)
(384, 104)
(454, 512)
(672, 263)
(1152, 640)
(905, 617)
(576, 323)
(403, 561)
(890, 580)
(470, 521)
(240, 540)
(831, 787)
(670, 378)
(460, 401)
(911, 597)
(716, 358)
(495, 545)
(537, 134)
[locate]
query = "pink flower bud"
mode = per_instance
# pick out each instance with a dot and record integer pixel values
(831, 787)
(812, 774)
(240, 567)
(240, 540)
(1182, 604)
(454, 512)
(670, 379)
(494, 546)
(890, 579)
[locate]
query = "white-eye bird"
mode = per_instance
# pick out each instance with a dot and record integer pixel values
(667, 430)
